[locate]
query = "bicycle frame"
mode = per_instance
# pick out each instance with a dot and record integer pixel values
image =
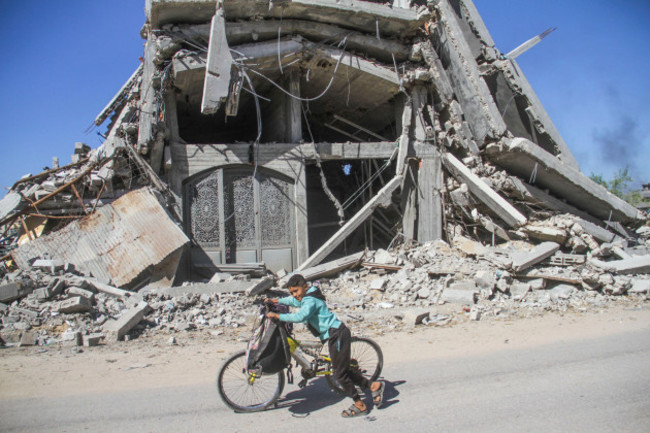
(301, 357)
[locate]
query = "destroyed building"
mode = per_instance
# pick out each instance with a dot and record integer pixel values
(282, 134)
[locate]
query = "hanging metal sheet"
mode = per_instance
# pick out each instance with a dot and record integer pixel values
(120, 242)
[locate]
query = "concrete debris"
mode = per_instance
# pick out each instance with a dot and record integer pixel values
(458, 294)
(634, 265)
(459, 208)
(539, 253)
(76, 304)
(261, 286)
(116, 329)
(92, 339)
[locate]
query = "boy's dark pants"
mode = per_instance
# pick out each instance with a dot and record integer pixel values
(339, 346)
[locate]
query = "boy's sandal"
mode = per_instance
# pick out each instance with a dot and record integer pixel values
(353, 411)
(378, 396)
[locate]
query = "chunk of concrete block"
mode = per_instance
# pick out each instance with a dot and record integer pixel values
(28, 339)
(424, 293)
(15, 290)
(378, 284)
(71, 337)
(470, 247)
(220, 277)
(261, 286)
(22, 326)
(116, 329)
(383, 257)
(640, 286)
(551, 234)
(54, 288)
(48, 265)
(524, 260)
(459, 296)
(415, 317)
(77, 304)
(562, 291)
(485, 280)
(92, 339)
(78, 291)
(635, 265)
(519, 291)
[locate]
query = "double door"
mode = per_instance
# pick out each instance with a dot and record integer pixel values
(238, 215)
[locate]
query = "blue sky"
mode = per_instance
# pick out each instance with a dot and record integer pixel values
(64, 60)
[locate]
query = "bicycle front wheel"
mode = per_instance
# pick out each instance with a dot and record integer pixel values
(366, 358)
(241, 393)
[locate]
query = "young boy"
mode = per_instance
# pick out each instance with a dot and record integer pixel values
(315, 313)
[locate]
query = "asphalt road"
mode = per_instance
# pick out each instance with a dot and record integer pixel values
(598, 385)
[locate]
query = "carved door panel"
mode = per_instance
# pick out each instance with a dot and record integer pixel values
(235, 218)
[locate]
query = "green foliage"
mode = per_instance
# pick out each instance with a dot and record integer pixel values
(619, 186)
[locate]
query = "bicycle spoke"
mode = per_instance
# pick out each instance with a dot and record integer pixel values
(239, 393)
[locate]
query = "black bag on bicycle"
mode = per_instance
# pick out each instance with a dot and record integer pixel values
(268, 349)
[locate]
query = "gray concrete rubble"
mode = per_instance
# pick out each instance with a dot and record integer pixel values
(388, 151)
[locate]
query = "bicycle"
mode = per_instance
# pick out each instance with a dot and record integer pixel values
(247, 390)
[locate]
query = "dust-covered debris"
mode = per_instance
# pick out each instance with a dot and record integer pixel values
(457, 207)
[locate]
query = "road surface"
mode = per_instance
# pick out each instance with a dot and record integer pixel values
(586, 385)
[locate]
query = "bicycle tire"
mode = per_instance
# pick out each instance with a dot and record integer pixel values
(236, 391)
(367, 353)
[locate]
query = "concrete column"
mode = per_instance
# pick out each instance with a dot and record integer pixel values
(409, 198)
(293, 108)
(147, 97)
(430, 183)
(302, 229)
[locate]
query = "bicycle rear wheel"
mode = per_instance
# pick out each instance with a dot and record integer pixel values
(245, 395)
(366, 357)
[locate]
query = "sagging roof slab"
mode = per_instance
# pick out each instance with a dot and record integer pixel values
(359, 15)
(525, 159)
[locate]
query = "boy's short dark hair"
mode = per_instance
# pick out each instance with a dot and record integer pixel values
(296, 280)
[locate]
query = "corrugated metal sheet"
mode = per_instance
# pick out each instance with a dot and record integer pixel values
(119, 241)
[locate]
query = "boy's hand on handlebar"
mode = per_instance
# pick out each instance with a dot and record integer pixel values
(275, 316)
(270, 301)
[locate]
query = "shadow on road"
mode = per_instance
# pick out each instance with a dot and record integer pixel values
(318, 395)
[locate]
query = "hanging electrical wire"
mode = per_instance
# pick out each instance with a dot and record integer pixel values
(338, 63)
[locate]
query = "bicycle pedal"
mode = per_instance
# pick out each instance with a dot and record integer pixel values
(302, 383)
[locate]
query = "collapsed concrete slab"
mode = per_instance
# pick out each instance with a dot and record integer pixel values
(524, 260)
(484, 193)
(525, 159)
(122, 242)
(634, 265)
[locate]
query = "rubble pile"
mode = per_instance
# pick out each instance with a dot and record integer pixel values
(58, 305)
(436, 283)
(231, 154)
(431, 284)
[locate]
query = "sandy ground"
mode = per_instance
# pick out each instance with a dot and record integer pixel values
(196, 357)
